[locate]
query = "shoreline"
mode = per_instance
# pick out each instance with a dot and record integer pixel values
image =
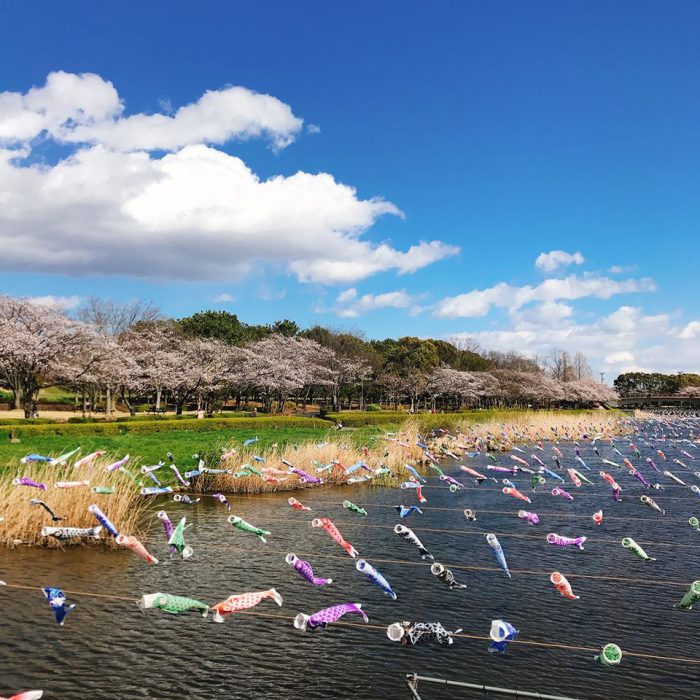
(245, 470)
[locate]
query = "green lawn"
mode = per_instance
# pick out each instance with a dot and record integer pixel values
(152, 447)
(52, 394)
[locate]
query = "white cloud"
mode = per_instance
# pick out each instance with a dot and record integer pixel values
(479, 302)
(58, 302)
(550, 313)
(548, 262)
(196, 213)
(223, 298)
(85, 109)
(347, 295)
(620, 357)
(692, 330)
(624, 340)
(268, 294)
(362, 262)
(66, 102)
(370, 302)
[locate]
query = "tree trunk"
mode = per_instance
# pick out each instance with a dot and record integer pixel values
(84, 403)
(132, 409)
(30, 406)
(16, 400)
(159, 394)
(336, 405)
(108, 401)
(178, 406)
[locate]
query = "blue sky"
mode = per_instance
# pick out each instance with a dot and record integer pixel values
(488, 132)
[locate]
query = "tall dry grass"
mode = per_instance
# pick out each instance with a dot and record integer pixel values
(396, 450)
(545, 425)
(128, 510)
(392, 451)
(23, 521)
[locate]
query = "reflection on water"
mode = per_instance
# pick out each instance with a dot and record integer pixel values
(108, 649)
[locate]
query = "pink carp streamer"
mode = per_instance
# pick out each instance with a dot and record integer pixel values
(333, 531)
(243, 601)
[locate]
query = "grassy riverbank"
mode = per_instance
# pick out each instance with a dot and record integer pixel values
(151, 441)
(152, 447)
(318, 450)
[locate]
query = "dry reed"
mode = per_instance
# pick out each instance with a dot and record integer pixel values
(398, 449)
(128, 509)
(392, 452)
(24, 521)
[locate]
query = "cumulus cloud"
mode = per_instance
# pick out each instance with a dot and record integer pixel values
(112, 206)
(347, 295)
(58, 302)
(370, 302)
(692, 330)
(621, 357)
(479, 302)
(86, 109)
(364, 261)
(223, 298)
(548, 262)
(550, 313)
(625, 340)
(266, 293)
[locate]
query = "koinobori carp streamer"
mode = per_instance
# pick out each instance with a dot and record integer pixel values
(244, 526)
(68, 533)
(328, 527)
(532, 518)
(106, 523)
(407, 534)
(173, 604)
(136, 547)
(177, 539)
(561, 583)
(324, 617)
(501, 633)
(411, 633)
(610, 655)
(629, 544)
(690, 597)
(243, 601)
(561, 541)
(364, 567)
(57, 603)
(498, 552)
(304, 569)
(446, 576)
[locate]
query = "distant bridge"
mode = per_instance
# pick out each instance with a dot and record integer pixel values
(656, 402)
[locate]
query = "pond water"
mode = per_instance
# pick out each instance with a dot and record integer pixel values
(108, 649)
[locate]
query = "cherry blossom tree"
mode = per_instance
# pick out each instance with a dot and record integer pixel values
(278, 365)
(36, 341)
(153, 348)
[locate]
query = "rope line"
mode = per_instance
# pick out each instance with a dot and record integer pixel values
(466, 533)
(549, 514)
(460, 567)
(577, 492)
(369, 626)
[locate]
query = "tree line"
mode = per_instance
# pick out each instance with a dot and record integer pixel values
(648, 384)
(128, 353)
